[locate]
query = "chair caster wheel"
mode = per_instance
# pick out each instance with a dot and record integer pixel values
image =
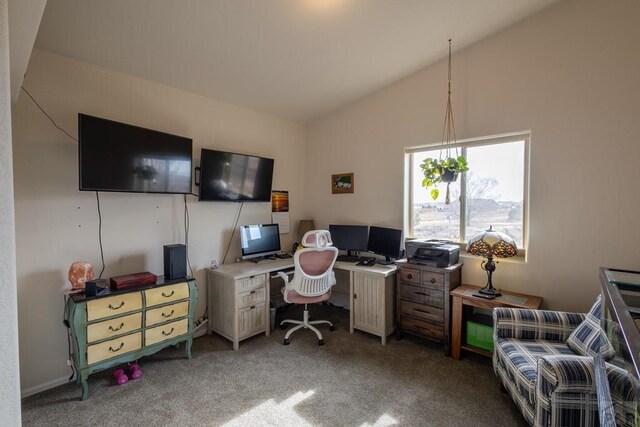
(320, 342)
(332, 328)
(283, 327)
(286, 342)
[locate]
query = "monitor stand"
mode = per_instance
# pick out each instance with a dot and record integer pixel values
(386, 261)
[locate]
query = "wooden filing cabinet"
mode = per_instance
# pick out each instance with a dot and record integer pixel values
(237, 306)
(423, 303)
(124, 326)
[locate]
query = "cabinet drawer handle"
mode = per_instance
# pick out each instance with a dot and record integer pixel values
(252, 292)
(118, 307)
(252, 307)
(433, 280)
(170, 295)
(409, 276)
(115, 350)
(168, 315)
(116, 329)
(421, 293)
(420, 311)
(166, 334)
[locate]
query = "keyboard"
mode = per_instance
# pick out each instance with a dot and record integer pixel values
(283, 255)
(347, 258)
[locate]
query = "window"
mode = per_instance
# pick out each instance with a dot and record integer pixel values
(492, 193)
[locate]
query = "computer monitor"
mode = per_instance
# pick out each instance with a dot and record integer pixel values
(386, 242)
(349, 237)
(259, 240)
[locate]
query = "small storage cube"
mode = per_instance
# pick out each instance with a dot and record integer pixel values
(480, 331)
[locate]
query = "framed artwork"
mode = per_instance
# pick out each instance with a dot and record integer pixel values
(342, 183)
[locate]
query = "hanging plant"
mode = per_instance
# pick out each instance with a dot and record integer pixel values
(442, 170)
(446, 168)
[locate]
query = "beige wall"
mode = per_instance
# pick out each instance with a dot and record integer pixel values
(9, 379)
(568, 74)
(57, 224)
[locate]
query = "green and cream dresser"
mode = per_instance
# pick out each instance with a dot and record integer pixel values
(123, 326)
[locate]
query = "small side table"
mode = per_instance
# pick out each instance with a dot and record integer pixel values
(463, 296)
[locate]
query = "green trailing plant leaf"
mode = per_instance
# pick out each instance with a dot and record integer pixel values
(434, 169)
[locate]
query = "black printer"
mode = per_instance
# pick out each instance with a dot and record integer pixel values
(432, 253)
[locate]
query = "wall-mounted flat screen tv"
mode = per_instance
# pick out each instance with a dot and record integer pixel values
(233, 177)
(116, 156)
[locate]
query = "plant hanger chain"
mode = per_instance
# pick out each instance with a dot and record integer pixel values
(449, 128)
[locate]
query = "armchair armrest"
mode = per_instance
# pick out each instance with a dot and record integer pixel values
(565, 374)
(528, 324)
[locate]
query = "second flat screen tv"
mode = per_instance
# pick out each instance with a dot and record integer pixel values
(233, 177)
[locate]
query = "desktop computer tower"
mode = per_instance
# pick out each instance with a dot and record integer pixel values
(175, 261)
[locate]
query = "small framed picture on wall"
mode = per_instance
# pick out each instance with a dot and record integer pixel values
(342, 183)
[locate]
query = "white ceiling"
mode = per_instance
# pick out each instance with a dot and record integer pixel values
(297, 59)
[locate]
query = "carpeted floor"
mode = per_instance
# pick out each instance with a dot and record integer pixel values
(352, 381)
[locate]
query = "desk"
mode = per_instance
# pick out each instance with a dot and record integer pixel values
(238, 297)
(463, 296)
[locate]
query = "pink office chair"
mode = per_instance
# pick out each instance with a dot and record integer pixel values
(312, 279)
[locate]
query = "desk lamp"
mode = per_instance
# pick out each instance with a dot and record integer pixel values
(489, 244)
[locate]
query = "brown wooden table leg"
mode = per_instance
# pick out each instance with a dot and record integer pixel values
(456, 333)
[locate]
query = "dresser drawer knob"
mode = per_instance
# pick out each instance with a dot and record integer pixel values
(433, 280)
(409, 276)
(252, 307)
(168, 333)
(116, 329)
(165, 315)
(118, 307)
(252, 292)
(170, 294)
(115, 350)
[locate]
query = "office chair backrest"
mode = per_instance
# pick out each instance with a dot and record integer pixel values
(314, 264)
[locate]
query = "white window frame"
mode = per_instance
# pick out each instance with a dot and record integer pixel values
(463, 145)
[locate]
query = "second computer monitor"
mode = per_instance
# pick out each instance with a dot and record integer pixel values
(349, 237)
(386, 242)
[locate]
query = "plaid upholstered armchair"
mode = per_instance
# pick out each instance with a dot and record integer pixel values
(544, 360)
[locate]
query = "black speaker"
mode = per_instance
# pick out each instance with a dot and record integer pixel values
(96, 287)
(175, 261)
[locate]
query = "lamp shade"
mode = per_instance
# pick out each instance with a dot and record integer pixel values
(305, 225)
(491, 243)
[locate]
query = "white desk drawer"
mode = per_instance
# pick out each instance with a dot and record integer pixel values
(113, 306)
(113, 327)
(164, 294)
(250, 319)
(250, 283)
(166, 313)
(166, 332)
(251, 297)
(113, 348)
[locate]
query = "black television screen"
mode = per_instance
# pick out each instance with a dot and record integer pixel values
(116, 156)
(259, 240)
(235, 177)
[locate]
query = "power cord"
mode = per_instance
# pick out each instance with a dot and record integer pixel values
(235, 224)
(48, 116)
(100, 234)
(66, 323)
(186, 233)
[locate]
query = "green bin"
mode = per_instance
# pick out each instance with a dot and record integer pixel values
(480, 331)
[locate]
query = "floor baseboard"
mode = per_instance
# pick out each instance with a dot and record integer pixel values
(45, 386)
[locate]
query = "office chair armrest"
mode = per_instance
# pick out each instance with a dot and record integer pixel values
(284, 277)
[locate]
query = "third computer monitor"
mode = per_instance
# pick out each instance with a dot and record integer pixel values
(386, 242)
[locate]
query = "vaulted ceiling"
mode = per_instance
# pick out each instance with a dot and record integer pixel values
(297, 59)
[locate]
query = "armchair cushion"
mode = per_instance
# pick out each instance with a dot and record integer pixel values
(588, 338)
(535, 324)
